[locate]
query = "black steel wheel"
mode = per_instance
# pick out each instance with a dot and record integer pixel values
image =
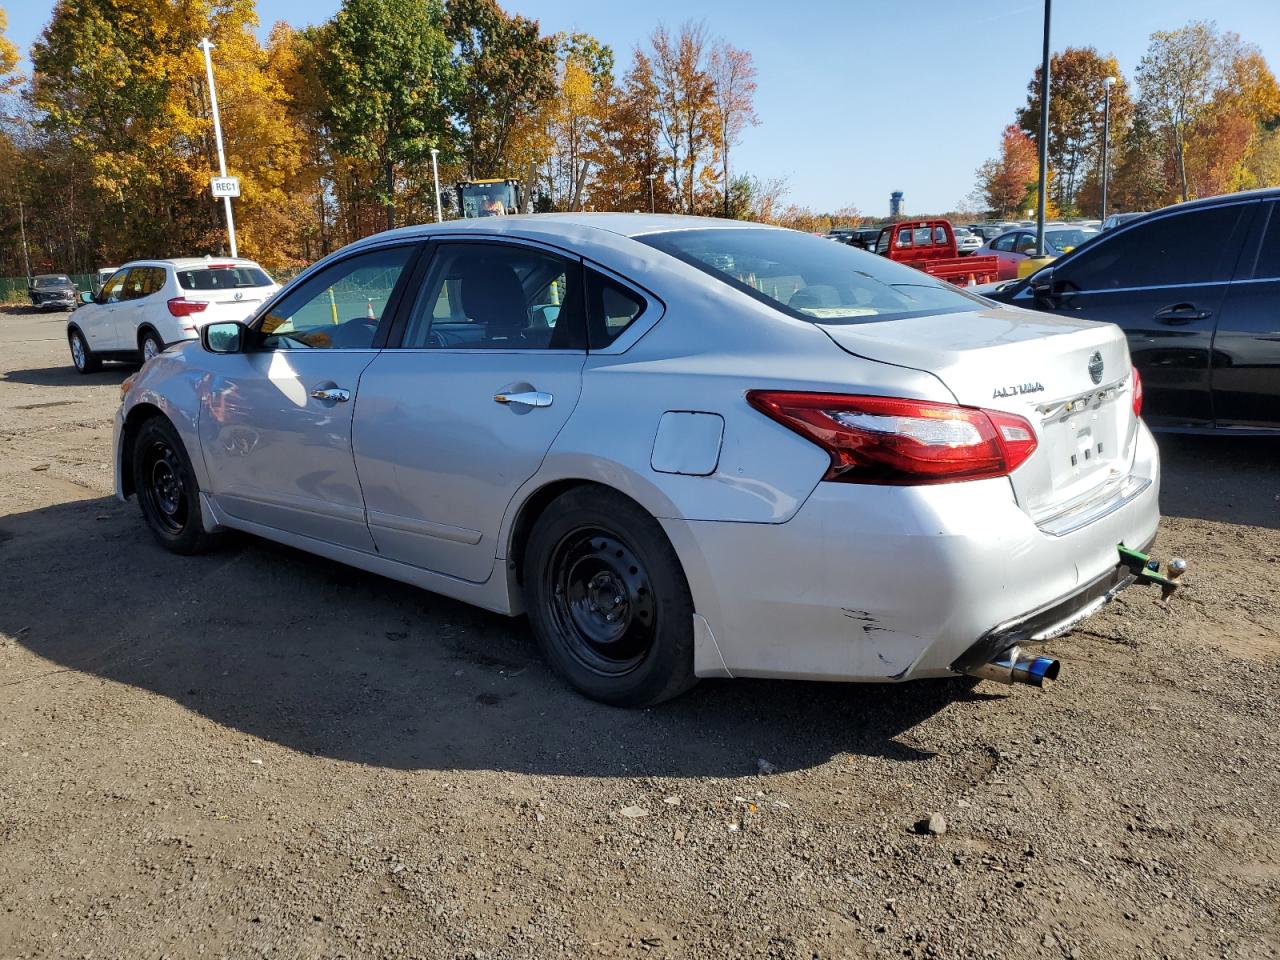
(608, 600)
(166, 487)
(601, 600)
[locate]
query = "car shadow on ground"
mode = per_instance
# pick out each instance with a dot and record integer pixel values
(325, 659)
(1221, 478)
(69, 376)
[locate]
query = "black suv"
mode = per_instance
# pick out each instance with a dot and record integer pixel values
(1196, 287)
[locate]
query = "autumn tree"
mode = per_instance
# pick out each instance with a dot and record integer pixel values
(506, 75)
(576, 118)
(1177, 79)
(9, 76)
(126, 95)
(630, 152)
(1007, 183)
(685, 110)
(1076, 116)
(733, 88)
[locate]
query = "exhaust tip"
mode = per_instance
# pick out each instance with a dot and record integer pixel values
(1013, 667)
(1037, 670)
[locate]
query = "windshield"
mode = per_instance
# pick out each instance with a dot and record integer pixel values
(486, 200)
(1066, 240)
(53, 281)
(223, 278)
(812, 280)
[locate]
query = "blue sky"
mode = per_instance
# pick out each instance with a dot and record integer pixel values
(860, 97)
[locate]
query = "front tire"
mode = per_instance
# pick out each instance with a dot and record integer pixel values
(167, 491)
(608, 600)
(81, 356)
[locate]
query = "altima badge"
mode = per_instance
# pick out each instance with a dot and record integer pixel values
(1096, 367)
(1017, 390)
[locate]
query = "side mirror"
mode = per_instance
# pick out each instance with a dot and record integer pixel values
(86, 296)
(1041, 282)
(224, 337)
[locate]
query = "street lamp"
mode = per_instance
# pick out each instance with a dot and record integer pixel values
(435, 175)
(206, 46)
(1107, 84)
(651, 177)
(1044, 134)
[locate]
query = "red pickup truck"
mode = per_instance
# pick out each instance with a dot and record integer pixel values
(930, 245)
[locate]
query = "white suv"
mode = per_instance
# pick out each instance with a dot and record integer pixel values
(148, 304)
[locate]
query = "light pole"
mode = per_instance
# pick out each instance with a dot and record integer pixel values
(651, 177)
(435, 176)
(1044, 135)
(1107, 84)
(206, 46)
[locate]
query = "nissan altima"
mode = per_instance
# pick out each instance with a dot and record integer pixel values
(683, 447)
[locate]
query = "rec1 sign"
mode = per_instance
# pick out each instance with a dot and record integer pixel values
(225, 186)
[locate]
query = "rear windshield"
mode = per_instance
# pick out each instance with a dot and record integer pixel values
(808, 278)
(1067, 240)
(222, 278)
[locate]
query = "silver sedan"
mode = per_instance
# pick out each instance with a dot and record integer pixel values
(684, 447)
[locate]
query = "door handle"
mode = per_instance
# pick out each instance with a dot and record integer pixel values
(1180, 313)
(335, 394)
(526, 398)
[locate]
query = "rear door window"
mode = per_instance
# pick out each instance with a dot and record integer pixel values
(497, 296)
(215, 277)
(1267, 266)
(1192, 246)
(1005, 243)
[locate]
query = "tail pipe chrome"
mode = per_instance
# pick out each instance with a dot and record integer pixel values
(1013, 666)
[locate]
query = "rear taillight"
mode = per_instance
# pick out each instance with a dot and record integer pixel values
(182, 307)
(1137, 393)
(895, 441)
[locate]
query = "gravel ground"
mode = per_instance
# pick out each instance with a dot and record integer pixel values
(260, 753)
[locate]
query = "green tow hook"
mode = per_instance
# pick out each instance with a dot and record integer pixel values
(1147, 570)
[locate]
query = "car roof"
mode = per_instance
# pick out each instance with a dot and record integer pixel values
(51, 276)
(189, 263)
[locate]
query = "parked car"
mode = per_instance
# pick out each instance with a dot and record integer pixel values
(1116, 219)
(1201, 317)
(967, 241)
(987, 231)
(685, 448)
(149, 304)
(1013, 247)
(930, 245)
(101, 276)
(53, 291)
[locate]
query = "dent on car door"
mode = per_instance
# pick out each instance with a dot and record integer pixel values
(275, 423)
(462, 407)
(1246, 346)
(1156, 281)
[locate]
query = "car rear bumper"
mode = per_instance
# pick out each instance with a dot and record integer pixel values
(895, 583)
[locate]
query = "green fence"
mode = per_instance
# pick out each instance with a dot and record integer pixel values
(14, 289)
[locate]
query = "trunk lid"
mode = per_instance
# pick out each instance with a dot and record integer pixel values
(225, 305)
(1070, 378)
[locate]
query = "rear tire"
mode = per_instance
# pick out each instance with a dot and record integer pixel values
(167, 491)
(608, 600)
(149, 345)
(81, 356)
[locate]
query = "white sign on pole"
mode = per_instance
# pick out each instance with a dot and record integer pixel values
(225, 186)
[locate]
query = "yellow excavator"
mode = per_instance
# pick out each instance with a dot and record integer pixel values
(488, 198)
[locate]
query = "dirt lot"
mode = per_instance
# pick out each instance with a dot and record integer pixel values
(257, 753)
